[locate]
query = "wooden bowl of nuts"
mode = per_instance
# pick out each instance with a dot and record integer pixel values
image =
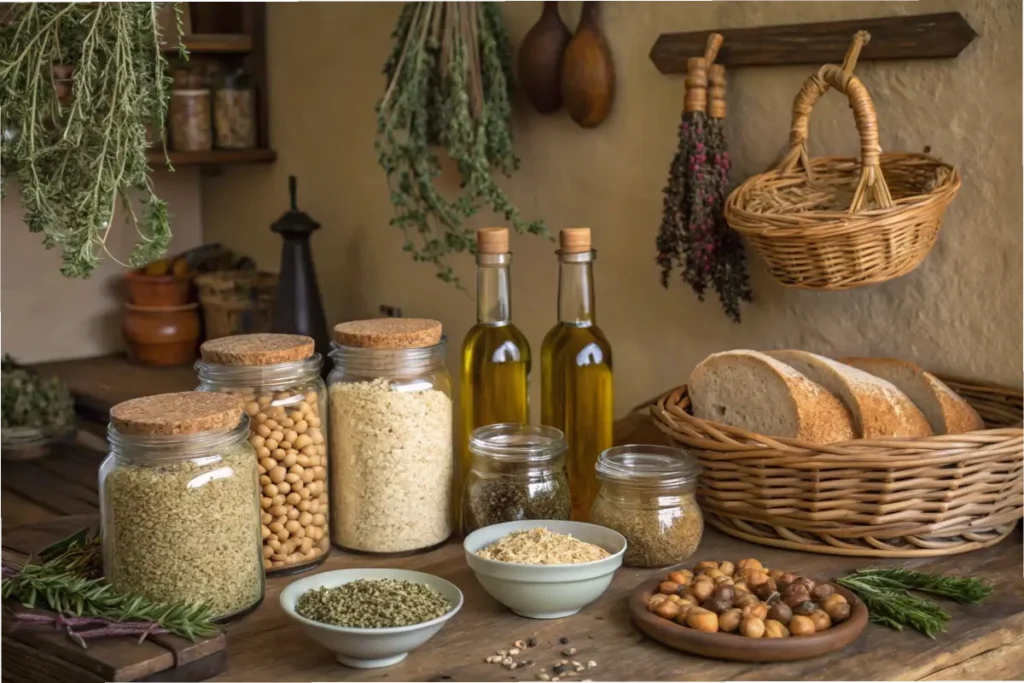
(746, 612)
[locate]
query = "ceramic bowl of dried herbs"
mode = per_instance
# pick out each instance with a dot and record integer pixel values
(371, 618)
(545, 569)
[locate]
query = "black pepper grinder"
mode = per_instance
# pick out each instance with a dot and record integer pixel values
(298, 308)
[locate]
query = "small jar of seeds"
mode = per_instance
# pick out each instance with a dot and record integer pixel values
(392, 458)
(179, 506)
(277, 376)
(648, 494)
(518, 472)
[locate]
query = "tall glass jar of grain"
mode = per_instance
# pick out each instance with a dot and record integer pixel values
(392, 463)
(190, 113)
(648, 494)
(278, 378)
(178, 500)
(518, 472)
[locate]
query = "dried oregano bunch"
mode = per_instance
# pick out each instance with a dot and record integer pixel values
(449, 82)
(30, 400)
(80, 154)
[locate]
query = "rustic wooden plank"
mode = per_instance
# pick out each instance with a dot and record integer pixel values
(185, 651)
(999, 664)
(30, 481)
(16, 510)
(113, 659)
(28, 539)
(925, 36)
(25, 664)
(74, 464)
(199, 670)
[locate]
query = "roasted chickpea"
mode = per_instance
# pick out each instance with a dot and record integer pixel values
(749, 563)
(704, 566)
(702, 620)
(729, 621)
(759, 610)
(656, 600)
(667, 609)
(821, 620)
(745, 599)
(702, 589)
(683, 578)
(727, 568)
(668, 587)
(775, 629)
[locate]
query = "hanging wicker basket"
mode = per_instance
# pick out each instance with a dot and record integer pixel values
(835, 223)
(939, 495)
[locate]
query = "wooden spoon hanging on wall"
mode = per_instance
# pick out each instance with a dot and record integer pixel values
(540, 60)
(588, 75)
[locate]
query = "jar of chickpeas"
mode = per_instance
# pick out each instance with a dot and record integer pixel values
(278, 378)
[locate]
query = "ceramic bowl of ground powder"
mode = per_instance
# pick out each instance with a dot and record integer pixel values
(545, 569)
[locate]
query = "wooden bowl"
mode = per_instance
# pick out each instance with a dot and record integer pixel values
(740, 648)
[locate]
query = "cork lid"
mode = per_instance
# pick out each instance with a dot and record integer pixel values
(574, 240)
(257, 349)
(492, 241)
(187, 412)
(389, 333)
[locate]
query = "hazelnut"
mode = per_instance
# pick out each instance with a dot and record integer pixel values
(775, 629)
(730, 621)
(801, 625)
(740, 587)
(752, 627)
(785, 580)
(794, 595)
(765, 591)
(726, 593)
(780, 612)
(822, 591)
(759, 610)
(745, 599)
(805, 608)
(717, 605)
(837, 611)
(755, 578)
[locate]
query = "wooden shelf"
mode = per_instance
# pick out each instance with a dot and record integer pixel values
(221, 43)
(213, 157)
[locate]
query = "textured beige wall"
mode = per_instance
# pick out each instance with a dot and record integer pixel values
(46, 316)
(959, 312)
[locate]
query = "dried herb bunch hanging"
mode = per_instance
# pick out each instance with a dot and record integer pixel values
(729, 261)
(449, 80)
(79, 151)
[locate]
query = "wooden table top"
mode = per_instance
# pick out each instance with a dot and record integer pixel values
(983, 642)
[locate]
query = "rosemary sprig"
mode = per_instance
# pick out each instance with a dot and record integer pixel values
(65, 582)
(886, 593)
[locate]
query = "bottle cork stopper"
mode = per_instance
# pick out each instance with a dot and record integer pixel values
(257, 349)
(492, 241)
(186, 412)
(574, 240)
(389, 333)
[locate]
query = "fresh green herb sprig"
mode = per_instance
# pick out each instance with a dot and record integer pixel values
(64, 582)
(886, 593)
(80, 159)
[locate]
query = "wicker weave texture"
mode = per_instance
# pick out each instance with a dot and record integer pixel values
(834, 223)
(877, 498)
(237, 302)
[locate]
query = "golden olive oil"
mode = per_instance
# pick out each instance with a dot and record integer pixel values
(495, 354)
(576, 372)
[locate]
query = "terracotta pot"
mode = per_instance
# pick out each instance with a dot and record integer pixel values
(161, 335)
(158, 290)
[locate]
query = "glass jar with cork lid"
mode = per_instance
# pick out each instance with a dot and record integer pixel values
(518, 472)
(648, 494)
(277, 376)
(190, 112)
(178, 502)
(392, 461)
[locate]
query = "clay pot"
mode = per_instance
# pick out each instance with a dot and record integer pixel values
(161, 335)
(540, 60)
(158, 290)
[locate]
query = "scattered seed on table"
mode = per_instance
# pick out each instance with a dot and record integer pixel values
(543, 676)
(503, 653)
(563, 640)
(569, 651)
(514, 651)
(532, 642)
(591, 664)
(520, 644)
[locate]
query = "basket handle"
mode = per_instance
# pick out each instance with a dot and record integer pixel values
(842, 79)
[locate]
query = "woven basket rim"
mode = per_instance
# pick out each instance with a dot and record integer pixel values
(733, 441)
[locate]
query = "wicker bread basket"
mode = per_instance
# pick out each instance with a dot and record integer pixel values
(237, 301)
(939, 495)
(834, 223)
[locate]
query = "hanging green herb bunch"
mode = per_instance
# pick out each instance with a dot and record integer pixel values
(79, 83)
(449, 81)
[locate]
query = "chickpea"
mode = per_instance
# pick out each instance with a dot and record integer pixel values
(266, 502)
(668, 587)
(252, 408)
(759, 610)
(702, 620)
(266, 517)
(287, 422)
(303, 440)
(293, 498)
(270, 490)
(277, 510)
(277, 474)
(292, 478)
(319, 473)
(264, 532)
(303, 460)
(702, 567)
(305, 493)
(267, 550)
(727, 568)
(292, 526)
(801, 625)
(667, 609)
(314, 506)
(775, 629)
(306, 545)
(293, 512)
(275, 527)
(256, 441)
(305, 519)
(264, 479)
(821, 620)
(274, 544)
(653, 601)
(319, 519)
(308, 476)
(284, 487)
(303, 505)
(309, 450)
(283, 535)
(263, 431)
(290, 435)
(290, 458)
(730, 621)
(268, 463)
(313, 421)
(279, 499)
(752, 627)
(750, 563)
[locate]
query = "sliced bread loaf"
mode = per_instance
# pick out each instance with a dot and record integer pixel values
(945, 410)
(749, 390)
(879, 409)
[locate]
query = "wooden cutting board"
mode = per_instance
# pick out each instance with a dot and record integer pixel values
(45, 656)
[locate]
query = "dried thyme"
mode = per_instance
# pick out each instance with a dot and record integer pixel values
(514, 498)
(373, 603)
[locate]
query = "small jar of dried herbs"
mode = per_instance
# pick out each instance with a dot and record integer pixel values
(648, 494)
(518, 473)
(180, 503)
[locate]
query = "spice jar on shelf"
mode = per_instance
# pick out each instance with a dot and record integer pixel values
(179, 504)
(648, 494)
(190, 112)
(234, 112)
(277, 376)
(392, 462)
(517, 472)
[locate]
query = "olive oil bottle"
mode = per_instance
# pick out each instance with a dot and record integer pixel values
(576, 371)
(495, 354)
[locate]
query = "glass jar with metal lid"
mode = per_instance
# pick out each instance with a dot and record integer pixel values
(392, 461)
(648, 494)
(518, 472)
(180, 512)
(277, 376)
